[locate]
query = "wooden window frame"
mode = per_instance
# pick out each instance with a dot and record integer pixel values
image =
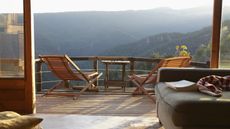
(216, 31)
(18, 93)
(29, 60)
(29, 49)
(25, 88)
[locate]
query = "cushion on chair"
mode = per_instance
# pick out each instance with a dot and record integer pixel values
(193, 108)
(12, 120)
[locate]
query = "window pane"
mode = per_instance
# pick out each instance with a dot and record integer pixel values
(11, 38)
(138, 28)
(225, 36)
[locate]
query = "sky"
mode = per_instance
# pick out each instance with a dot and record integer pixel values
(113, 5)
(39, 6)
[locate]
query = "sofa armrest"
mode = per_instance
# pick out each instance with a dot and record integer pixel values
(191, 74)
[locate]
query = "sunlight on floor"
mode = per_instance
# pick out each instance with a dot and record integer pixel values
(60, 121)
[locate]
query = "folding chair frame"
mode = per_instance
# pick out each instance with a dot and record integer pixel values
(183, 62)
(89, 80)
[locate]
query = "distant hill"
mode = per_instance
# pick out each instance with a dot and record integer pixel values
(198, 43)
(225, 41)
(92, 33)
(163, 43)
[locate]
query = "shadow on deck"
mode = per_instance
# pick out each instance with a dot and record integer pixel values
(98, 103)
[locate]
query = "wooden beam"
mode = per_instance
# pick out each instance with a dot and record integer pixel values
(216, 29)
(29, 59)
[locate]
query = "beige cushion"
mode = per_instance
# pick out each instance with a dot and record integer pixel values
(12, 120)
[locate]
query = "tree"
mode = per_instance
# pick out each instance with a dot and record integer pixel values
(202, 54)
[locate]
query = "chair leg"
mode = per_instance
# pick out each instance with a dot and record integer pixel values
(138, 91)
(93, 88)
(62, 83)
(143, 90)
(87, 86)
(53, 88)
(74, 95)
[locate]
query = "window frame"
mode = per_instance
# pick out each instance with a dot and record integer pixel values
(216, 30)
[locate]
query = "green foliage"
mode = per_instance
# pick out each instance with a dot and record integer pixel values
(202, 53)
(225, 42)
(156, 55)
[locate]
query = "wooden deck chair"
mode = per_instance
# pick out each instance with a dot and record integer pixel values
(65, 69)
(151, 77)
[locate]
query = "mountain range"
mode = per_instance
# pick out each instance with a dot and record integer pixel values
(163, 44)
(109, 33)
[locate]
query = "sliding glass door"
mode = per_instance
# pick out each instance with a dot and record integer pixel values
(225, 36)
(16, 57)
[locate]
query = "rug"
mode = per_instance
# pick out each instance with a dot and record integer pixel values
(60, 121)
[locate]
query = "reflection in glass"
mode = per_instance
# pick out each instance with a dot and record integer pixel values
(225, 36)
(11, 43)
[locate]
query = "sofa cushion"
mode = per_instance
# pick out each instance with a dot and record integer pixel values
(12, 120)
(194, 108)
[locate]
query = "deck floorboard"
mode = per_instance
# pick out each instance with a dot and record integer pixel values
(97, 104)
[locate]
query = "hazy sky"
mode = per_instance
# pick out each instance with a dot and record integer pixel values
(101, 5)
(112, 5)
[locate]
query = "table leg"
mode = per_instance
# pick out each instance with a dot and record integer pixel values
(123, 77)
(106, 76)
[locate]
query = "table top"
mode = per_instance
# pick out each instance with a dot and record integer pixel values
(115, 62)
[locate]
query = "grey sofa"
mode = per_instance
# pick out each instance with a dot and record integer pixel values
(191, 109)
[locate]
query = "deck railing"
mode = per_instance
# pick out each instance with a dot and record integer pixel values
(95, 60)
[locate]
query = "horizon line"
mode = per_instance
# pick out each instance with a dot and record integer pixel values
(122, 10)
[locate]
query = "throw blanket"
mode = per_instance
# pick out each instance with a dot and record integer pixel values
(214, 85)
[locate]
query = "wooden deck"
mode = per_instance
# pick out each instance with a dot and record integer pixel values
(93, 110)
(101, 103)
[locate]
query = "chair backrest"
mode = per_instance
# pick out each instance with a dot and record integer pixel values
(62, 67)
(176, 62)
(172, 62)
